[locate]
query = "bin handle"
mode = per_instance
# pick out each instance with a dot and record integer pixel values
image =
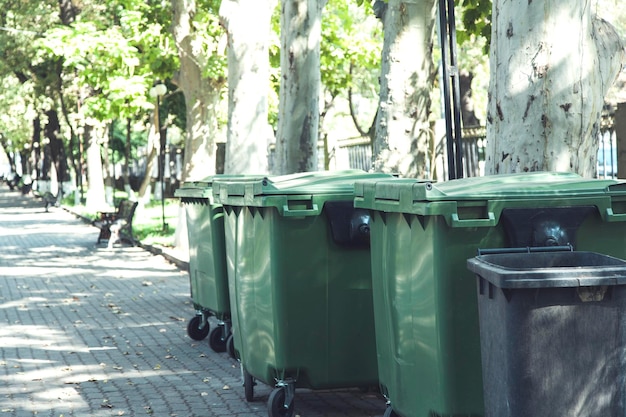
(612, 217)
(287, 212)
(489, 221)
(526, 249)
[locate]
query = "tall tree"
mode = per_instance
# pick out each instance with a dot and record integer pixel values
(248, 24)
(298, 115)
(196, 30)
(552, 63)
(403, 139)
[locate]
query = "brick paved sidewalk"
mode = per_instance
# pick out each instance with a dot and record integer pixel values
(86, 331)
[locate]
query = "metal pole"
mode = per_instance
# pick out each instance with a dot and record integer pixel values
(443, 36)
(456, 90)
(447, 40)
(162, 167)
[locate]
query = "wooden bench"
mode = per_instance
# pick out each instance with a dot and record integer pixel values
(13, 182)
(48, 198)
(118, 226)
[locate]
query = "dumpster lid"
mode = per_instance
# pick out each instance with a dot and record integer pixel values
(431, 198)
(280, 191)
(494, 186)
(203, 188)
(299, 183)
(549, 269)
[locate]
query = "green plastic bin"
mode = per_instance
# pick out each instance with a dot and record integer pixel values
(427, 329)
(207, 264)
(299, 276)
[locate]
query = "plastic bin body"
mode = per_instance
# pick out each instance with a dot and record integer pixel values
(301, 286)
(426, 312)
(553, 334)
(207, 251)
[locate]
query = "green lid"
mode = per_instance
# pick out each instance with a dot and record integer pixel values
(195, 189)
(485, 197)
(301, 194)
(202, 189)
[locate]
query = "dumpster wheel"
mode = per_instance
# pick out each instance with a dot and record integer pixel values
(198, 327)
(217, 341)
(277, 406)
(389, 412)
(248, 385)
(230, 347)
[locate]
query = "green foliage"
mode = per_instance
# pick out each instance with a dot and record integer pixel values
(350, 48)
(173, 108)
(23, 82)
(274, 52)
(16, 99)
(117, 139)
(476, 22)
(209, 41)
(118, 62)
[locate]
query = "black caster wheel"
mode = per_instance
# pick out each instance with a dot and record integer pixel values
(276, 404)
(230, 347)
(216, 339)
(248, 386)
(193, 328)
(390, 413)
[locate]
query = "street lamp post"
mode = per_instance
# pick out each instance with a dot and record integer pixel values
(157, 92)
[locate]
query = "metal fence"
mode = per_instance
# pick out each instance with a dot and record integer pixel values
(607, 147)
(357, 153)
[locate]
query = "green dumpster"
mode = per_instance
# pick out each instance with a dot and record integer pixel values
(422, 234)
(207, 264)
(299, 276)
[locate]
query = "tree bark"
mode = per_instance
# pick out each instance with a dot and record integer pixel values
(36, 147)
(247, 23)
(552, 63)
(127, 153)
(403, 138)
(468, 116)
(95, 200)
(298, 113)
(57, 147)
(202, 95)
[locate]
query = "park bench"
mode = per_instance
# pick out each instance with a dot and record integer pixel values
(117, 226)
(13, 181)
(48, 198)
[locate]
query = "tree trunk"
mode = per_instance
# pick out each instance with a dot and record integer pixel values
(247, 23)
(95, 200)
(468, 116)
(109, 180)
(298, 113)
(36, 147)
(57, 147)
(403, 138)
(75, 145)
(144, 193)
(202, 95)
(552, 63)
(126, 167)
